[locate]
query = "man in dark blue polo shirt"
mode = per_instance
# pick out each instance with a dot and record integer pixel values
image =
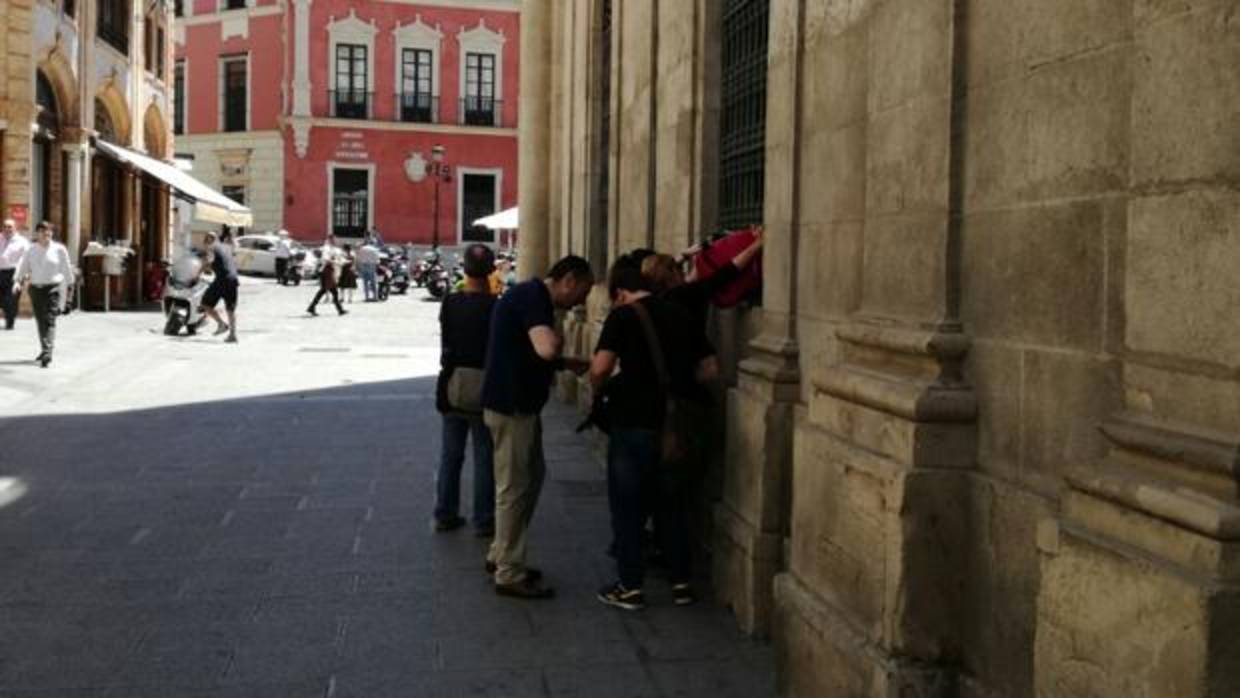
(523, 354)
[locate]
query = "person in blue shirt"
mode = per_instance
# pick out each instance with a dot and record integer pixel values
(523, 354)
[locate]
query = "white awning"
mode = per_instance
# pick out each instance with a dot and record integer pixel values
(209, 205)
(504, 220)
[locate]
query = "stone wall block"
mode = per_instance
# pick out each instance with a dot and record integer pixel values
(909, 53)
(1062, 131)
(1188, 77)
(1182, 253)
(1093, 596)
(903, 273)
(907, 157)
(1055, 255)
(832, 173)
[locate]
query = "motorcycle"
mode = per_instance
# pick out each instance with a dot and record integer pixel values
(383, 277)
(422, 268)
(182, 302)
(400, 270)
(438, 282)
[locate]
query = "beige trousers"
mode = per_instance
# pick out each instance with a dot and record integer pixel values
(519, 473)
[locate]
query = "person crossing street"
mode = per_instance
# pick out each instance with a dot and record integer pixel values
(48, 272)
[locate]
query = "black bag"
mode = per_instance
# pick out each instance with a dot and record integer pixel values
(679, 422)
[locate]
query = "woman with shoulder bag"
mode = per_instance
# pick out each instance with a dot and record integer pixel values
(661, 357)
(465, 322)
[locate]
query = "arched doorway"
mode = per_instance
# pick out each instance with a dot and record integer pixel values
(153, 222)
(46, 170)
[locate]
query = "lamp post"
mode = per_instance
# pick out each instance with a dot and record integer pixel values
(417, 169)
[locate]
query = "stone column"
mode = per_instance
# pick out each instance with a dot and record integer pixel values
(751, 518)
(1140, 590)
(73, 190)
(534, 136)
(870, 603)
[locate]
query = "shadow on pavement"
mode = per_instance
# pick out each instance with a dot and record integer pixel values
(280, 545)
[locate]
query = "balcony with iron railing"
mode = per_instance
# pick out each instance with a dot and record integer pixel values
(351, 104)
(482, 111)
(416, 107)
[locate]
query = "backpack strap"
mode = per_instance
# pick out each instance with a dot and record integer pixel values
(656, 349)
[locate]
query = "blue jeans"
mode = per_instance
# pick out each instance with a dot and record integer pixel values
(632, 464)
(456, 431)
(367, 272)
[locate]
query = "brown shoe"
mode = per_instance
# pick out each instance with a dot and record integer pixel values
(532, 574)
(525, 589)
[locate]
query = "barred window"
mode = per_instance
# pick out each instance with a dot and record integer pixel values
(742, 127)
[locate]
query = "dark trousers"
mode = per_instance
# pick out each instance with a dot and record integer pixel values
(281, 269)
(46, 302)
(8, 299)
(632, 461)
(457, 429)
(323, 291)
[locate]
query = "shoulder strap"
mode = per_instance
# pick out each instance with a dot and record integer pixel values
(656, 349)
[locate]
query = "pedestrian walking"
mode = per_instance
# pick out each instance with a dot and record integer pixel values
(48, 272)
(328, 278)
(283, 253)
(13, 246)
(464, 323)
(348, 274)
(368, 268)
(223, 287)
(662, 358)
(523, 354)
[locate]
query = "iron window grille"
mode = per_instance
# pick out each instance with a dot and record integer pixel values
(236, 94)
(350, 202)
(742, 127)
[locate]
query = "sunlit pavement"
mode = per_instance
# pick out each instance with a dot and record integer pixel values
(182, 517)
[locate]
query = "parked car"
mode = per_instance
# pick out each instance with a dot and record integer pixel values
(256, 255)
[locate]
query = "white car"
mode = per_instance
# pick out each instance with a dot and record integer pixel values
(256, 255)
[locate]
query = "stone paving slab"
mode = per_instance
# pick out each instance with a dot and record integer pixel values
(210, 521)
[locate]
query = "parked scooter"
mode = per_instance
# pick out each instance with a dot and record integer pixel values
(187, 284)
(438, 281)
(422, 269)
(400, 270)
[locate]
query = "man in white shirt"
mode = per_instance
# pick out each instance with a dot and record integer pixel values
(13, 246)
(48, 272)
(367, 267)
(283, 252)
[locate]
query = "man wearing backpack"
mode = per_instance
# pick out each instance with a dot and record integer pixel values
(663, 359)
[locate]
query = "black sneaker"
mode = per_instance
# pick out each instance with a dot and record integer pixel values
(628, 599)
(443, 525)
(682, 595)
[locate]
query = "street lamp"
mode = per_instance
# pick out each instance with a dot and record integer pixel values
(417, 169)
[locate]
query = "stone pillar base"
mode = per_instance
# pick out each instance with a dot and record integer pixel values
(743, 563)
(1140, 592)
(822, 654)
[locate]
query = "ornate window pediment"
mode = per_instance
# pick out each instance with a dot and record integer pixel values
(352, 30)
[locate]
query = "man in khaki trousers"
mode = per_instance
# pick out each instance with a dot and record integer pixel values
(523, 354)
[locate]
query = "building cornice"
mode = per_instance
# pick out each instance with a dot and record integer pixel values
(402, 127)
(223, 15)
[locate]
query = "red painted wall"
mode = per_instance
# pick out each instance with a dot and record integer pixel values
(403, 209)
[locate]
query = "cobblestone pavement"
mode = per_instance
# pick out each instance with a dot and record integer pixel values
(181, 517)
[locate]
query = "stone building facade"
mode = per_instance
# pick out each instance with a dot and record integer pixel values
(983, 437)
(76, 73)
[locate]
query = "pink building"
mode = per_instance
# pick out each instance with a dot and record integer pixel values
(325, 115)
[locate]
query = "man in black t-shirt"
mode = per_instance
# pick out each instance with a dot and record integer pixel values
(637, 409)
(223, 288)
(523, 353)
